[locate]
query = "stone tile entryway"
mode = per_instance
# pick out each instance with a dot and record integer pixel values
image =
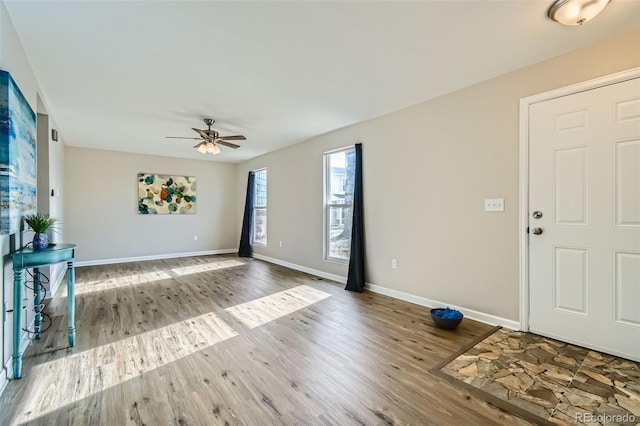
(555, 381)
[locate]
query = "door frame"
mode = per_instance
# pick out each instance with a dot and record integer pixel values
(523, 209)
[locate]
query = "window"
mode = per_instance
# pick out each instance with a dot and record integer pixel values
(260, 208)
(338, 196)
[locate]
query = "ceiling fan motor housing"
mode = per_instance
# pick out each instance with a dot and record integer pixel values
(210, 138)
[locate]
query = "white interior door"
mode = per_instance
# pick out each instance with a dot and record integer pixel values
(584, 266)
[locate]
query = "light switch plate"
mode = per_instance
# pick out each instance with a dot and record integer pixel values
(494, 205)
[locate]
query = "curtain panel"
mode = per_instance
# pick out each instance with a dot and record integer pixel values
(245, 248)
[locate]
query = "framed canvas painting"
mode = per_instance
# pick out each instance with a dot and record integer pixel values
(164, 194)
(17, 156)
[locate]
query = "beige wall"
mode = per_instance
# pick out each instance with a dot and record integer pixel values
(102, 211)
(50, 177)
(14, 60)
(57, 151)
(427, 170)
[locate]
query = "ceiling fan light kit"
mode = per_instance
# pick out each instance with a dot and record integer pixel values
(210, 139)
(201, 147)
(575, 12)
(212, 148)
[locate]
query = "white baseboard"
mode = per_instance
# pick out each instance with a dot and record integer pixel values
(396, 294)
(152, 257)
(311, 271)
(4, 378)
(56, 281)
(429, 303)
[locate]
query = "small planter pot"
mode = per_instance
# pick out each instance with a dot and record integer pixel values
(40, 241)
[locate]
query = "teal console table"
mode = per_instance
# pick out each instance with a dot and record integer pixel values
(30, 258)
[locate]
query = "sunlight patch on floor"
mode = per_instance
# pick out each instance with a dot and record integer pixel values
(118, 282)
(261, 311)
(61, 382)
(85, 287)
(57, 383)
(194, 269)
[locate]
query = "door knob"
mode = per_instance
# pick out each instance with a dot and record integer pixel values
(536, 231)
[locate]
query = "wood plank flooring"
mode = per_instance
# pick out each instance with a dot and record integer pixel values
(225, 340)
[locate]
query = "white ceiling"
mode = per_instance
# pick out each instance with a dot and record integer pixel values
(122, 75)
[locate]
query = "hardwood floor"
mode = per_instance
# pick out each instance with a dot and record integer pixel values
(226, 340)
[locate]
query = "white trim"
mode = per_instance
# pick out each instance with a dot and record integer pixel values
(152, 257)
(344, 148)
(254, 208)
(584, 86)
(293, 266)
(326, 206)
(3, 378)
(430, 303)
(56, 281)
(325, 163)
(396, 294)
(523, 216)
(525, 103)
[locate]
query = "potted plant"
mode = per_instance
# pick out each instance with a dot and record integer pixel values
(40, 224)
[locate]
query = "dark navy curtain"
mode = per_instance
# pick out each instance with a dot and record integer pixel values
(355, 277)
(245, 249)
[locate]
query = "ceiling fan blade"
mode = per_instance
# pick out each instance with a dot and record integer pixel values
(202, 133)
(180, 137)
(229, 144)
(234, 138)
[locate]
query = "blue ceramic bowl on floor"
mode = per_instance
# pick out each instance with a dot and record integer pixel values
(444, 322)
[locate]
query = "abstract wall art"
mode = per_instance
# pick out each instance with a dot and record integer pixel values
(17, 156)
(164, 194)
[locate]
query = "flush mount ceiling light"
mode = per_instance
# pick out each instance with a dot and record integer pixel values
(575, 12)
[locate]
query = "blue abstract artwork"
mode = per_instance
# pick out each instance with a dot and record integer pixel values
(17, 156)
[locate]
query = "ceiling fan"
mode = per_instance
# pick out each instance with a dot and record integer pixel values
(210, 139)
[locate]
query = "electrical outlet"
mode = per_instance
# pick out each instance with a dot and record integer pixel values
(280, 243)
(394, 263)
(494, 205)
(195, 238)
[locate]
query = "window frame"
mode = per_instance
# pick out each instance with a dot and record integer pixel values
(326, 210)
(259, 207)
